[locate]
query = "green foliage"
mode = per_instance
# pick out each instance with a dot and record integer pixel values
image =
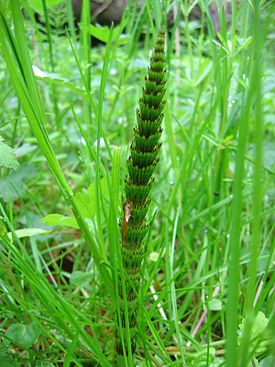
(7, 157)
(103, 34)
(23, 335)
(6, 360)
(28, 232)
(86, 202)
(257, 331)
(59, 220)
(14, 185)
(67, 111)
(14, 49)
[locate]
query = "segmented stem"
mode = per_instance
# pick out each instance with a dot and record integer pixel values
(144, 156)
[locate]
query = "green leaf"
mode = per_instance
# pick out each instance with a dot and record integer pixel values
(54, 78)
(86, 201)
(14, 186)
(7, 156)
(23, 335)
(103, 34)
(25, 149)
(28, 232)
(60, 220)
(100, 33)
(103, 186)
(259, 326)
(86, 204)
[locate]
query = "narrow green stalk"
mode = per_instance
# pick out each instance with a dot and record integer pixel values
(86, 49)
(49, 38)
(250, 311)
(172, 297)
(70, 16)
(186, 11)
(99, 134)
(141, 165)
(233, 303)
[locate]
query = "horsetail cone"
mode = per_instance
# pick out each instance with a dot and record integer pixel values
(144, 156)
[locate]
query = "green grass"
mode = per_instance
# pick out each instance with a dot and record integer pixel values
(207, 291)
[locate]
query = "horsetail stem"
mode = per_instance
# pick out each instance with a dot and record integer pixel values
(144, 156)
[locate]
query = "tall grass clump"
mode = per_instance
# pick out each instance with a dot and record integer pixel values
(90, 279)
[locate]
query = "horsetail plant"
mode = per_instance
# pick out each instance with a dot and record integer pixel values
(144, 156)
